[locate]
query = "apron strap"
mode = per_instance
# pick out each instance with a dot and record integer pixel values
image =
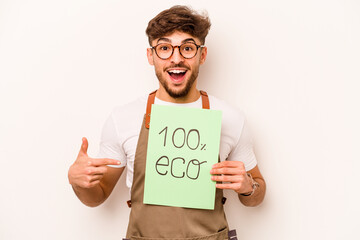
(205, 100)
(151, 100)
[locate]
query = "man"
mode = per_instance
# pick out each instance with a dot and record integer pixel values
(176, 36)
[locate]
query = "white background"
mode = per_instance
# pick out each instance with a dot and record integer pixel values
(292, 66)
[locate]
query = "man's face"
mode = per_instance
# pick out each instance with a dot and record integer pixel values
(177, 74)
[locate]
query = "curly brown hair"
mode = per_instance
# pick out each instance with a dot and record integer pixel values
(179, 18)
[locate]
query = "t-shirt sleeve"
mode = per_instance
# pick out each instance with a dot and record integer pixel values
(243, 151)
(110, 146)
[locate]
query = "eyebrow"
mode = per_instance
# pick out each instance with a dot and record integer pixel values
(169, 41)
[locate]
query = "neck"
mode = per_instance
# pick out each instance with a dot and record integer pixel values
(192, 96)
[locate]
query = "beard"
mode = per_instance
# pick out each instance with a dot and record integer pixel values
(181, 92)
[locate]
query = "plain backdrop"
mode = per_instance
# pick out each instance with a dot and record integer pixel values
(291, 66)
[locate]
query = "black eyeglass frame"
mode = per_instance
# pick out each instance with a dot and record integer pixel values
(178, 46)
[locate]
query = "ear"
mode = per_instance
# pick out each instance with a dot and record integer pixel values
(203, 55)
(149, 54)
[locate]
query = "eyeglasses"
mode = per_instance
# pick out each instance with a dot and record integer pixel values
(166, 50)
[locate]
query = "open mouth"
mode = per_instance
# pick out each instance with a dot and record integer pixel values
(177, 75)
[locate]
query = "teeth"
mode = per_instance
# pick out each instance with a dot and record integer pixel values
(177, 71)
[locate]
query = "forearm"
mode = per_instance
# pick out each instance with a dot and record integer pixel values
(257, 197)
(91, 197)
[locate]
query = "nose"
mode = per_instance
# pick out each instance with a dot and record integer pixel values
(176, 56)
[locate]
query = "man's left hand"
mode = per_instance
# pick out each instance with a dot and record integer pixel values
(234, 175)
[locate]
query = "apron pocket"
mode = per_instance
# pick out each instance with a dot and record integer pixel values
(222, 235)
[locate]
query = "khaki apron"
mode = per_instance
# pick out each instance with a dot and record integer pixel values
(164, 222)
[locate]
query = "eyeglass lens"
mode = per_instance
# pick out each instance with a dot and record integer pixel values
(165, 50)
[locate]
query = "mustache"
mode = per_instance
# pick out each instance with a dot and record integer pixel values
(179, 65)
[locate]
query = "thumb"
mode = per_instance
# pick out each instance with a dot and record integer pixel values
(84, 146)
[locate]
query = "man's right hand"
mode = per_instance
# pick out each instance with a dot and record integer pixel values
(87, 172)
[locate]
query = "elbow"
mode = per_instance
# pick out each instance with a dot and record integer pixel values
(92, 204)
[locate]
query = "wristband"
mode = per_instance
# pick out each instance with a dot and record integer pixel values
(254, 185)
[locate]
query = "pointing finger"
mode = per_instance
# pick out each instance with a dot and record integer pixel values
(103, 161)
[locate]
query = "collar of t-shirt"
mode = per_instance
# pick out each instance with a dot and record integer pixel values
(196, 104)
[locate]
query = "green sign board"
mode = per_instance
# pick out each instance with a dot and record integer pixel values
(183, 145)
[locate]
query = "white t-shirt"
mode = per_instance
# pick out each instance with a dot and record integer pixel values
(121, 132)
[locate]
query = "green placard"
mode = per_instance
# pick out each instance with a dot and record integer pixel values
(183, 145)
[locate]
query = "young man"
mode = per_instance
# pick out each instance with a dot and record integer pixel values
(177, 37)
